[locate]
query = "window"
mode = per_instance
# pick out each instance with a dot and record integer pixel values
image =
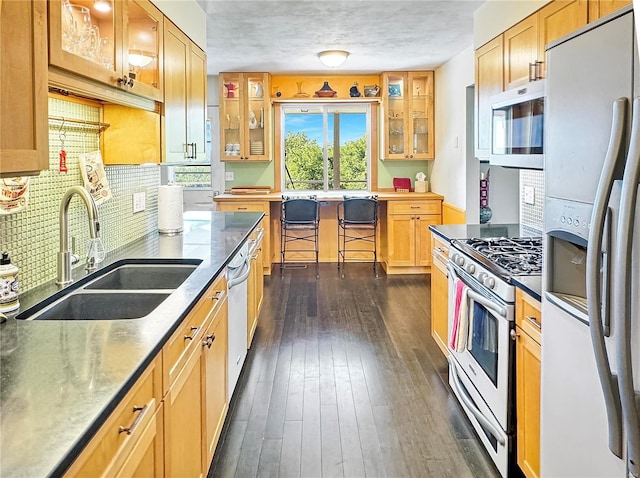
(192, 177)
(326, 147)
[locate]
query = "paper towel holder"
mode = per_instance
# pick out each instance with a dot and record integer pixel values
(170, 226)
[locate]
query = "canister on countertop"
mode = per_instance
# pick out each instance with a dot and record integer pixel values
(9, 284)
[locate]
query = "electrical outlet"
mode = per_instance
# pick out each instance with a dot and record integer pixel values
(139, 202)
(228, 176)
(529, 195)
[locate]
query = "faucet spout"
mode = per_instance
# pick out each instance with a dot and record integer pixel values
(64, 255)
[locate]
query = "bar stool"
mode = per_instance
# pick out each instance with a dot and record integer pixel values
(299, 220)
(357, 221)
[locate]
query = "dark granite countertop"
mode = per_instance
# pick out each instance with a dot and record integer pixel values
(468, 231)
(59, 380)
(532, 285)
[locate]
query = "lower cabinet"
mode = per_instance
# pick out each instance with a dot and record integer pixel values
(214, 380)
(408, 243)
(528, 352)
(439, 292)
(183, 413)
(254, 206)
(130, 442)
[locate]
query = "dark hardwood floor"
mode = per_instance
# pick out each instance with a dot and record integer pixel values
(343, 379)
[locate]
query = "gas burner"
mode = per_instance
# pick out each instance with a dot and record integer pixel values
(515, 256)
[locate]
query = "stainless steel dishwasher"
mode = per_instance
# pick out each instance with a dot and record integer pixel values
(238, 271)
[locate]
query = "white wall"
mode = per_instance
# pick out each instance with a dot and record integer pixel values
(495, 16)
(448, 175)
(188, 17)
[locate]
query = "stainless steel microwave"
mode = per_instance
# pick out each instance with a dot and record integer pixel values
(517, 127)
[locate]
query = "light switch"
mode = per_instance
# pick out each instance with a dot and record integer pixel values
(529, 195)
(139, 202)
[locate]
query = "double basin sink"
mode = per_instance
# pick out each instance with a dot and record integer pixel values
(129, 289)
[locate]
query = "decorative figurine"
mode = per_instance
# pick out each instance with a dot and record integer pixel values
(353, 91)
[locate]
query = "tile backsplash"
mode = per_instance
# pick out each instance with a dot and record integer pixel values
(531, 215)
(32, 236)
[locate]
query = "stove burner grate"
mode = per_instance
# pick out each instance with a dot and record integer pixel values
(517, 256)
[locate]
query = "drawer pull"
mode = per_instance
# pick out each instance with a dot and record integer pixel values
(217, 295)
(242, 208)
(415, 207)
(131, 429)
(194, 332)
(533, 320)
(208, 342)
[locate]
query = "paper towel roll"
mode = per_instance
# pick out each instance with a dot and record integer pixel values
(170, 209)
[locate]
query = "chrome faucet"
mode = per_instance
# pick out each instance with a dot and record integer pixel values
(64, 255)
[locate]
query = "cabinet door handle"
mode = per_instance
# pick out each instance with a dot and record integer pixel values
(538, 70)
(130, 429)
(194, 332)
(532, 71)
(208, 342)
(514, 335)
(534, 321)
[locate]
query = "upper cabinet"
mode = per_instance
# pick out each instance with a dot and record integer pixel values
(185, 98)
(600, 8)
(489, 81)
(408, 115)
(525, 42)
(121, 47)
(23, 88)
(245, 117)
(517, 56)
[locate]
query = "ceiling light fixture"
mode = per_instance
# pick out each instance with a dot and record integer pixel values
(140, 58)
(333, 58)
(102, 5)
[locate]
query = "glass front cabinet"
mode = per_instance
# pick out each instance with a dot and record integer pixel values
(245, 117)
(119, 46)
(408, 115)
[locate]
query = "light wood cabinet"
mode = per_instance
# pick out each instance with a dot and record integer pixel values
(24, 140)
(121, 48)
(192, 369)
(528, 353)
(183, 419)
(185, 98)
(407, 99)
(489, 81)
(130, 442)
(255, 206)
(245, 117)
(408, 241)
(439, 292)
(214, 380)
(521, 53)
(600, 8)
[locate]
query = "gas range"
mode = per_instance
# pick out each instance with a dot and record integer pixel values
(492, 262)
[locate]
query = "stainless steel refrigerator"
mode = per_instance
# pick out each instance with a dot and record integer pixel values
(591, 277)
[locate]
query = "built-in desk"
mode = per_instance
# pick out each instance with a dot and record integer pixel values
(403, 229)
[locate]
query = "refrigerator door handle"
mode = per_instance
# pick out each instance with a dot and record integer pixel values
(606, 273)
(622, 293)
(608, 381)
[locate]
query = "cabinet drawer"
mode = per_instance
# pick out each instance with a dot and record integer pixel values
(187, 337)
(110, 448)
(528, 315)
(411, 207)
(244, 207)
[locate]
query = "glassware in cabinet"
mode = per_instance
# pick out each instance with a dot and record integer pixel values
(120, 46)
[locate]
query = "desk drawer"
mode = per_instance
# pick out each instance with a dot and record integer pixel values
(414, 207)
(244, 207)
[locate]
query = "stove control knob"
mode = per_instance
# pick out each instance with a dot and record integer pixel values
(470, 268)
(459, 260)
(482, 277)
(490, 282)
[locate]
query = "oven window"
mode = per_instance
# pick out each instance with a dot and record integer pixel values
(484, 343)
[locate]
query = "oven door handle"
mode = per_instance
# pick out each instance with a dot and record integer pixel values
(457, 387)
(498, 309)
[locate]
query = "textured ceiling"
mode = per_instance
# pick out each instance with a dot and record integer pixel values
(285, 36)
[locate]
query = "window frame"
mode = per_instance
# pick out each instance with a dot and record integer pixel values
(372, 141)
